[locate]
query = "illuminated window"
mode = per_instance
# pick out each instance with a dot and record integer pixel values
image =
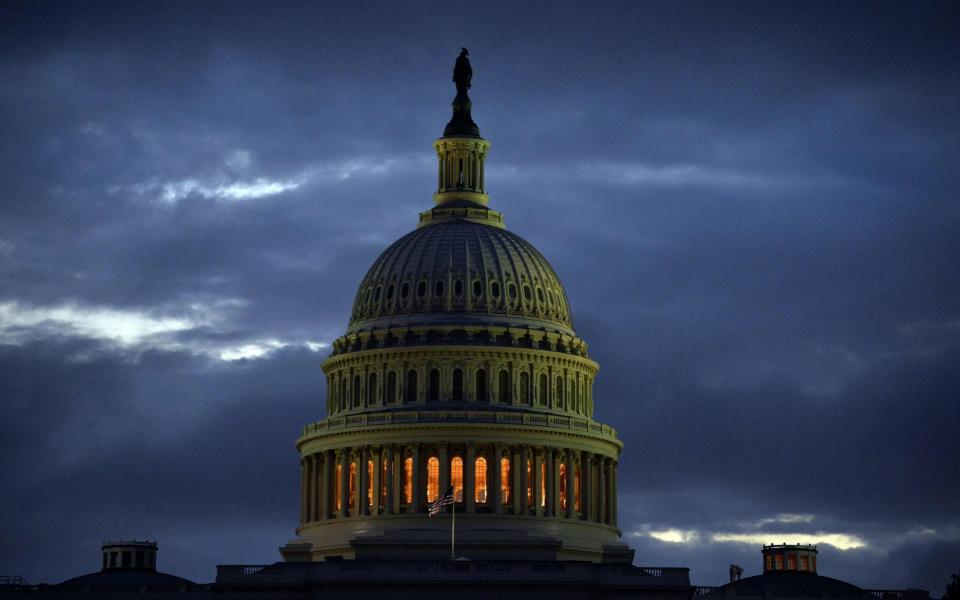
(353, 484)
(792, 562)
(529, 482)
(813, 563)
(504, 480)
(804, 563)
(370, 483)
(480, 472)
(769, 563)
(434, 393)
(576, 488)
(457, 385)
(778, 562)
(336, 485)
(456, 477)
(408, 481)
(433, 478)
(543, 485)
(563, 486)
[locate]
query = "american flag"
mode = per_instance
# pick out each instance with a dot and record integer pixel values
(434, 508)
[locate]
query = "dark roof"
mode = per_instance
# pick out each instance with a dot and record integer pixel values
(797, 583)
(128, 577)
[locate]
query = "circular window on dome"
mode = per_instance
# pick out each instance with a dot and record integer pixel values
(376, 294)
(540, 294)
(405, 290)
(421, 289)
(438, 289)
(390, 292)
(477, 288)
(512, 290)
(527, 294)
(458, 288)
(549, 297)
(495, 289)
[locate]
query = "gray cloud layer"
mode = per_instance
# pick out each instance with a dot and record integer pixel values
(753, 208)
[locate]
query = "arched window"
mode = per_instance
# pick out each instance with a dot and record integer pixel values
(457, 385)
(504, 480)
(408, 480)
(371, 389)
(563, 486)
(434, 393)
(503, 393)
(525, 387)
(482, 386)
(405, 290)
(438, 288)
(543, 389)
(576, 487)
(456, 478)
(352, 483)
(433, 478)
(376, 294)
(421, 289)
(540, 295)
(477, 288)
(495, 289)
(458, 288)
(411, 395)
(480, 479)
(356, 391)
(390, 292)
(391, 387)
(559, 392)
(370, 484)
(337, 478)
(512, 291)
(343, 393)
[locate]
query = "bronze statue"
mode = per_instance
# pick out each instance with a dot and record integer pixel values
(462, 73)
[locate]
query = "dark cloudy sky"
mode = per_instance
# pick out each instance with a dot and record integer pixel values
(753, 207)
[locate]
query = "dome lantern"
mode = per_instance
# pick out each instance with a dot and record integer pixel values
(461, 151)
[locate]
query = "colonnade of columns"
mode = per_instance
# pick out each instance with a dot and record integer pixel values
(387, 479)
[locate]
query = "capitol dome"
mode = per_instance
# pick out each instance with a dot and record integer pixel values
(455, 270)
(459, 380)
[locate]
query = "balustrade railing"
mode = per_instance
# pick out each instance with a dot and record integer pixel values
(459, 416)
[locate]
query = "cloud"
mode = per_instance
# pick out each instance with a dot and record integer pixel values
(840, 541)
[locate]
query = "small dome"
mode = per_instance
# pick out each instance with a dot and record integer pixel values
(465, 272)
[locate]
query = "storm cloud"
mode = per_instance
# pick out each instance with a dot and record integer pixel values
(753, 208)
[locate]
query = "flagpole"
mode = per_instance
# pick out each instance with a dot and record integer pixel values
(453, 529)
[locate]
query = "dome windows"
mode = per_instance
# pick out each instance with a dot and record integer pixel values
(405, 290)
(477, 288)
(421, 289)
(512, 291)
(540, 295)
(438, 288)
(495, 289)
(457, 288)
(390, 292)
(527, 294)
